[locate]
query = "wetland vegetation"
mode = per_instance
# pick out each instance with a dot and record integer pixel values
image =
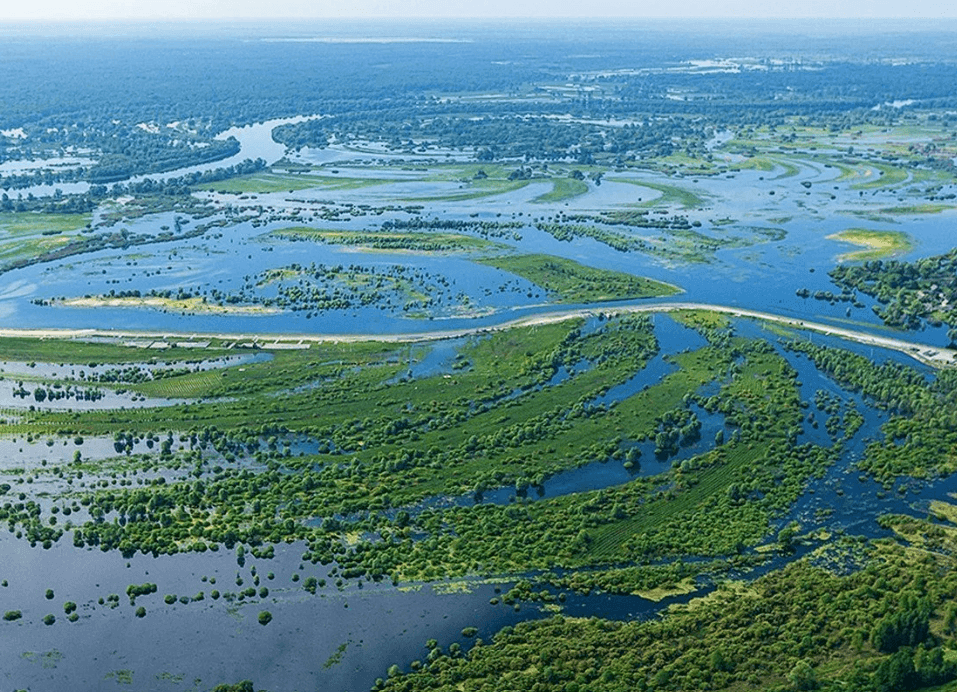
(414, 373)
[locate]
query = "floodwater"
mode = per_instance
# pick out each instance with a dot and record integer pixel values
(346, 638)
(737, 207)
(204, 642)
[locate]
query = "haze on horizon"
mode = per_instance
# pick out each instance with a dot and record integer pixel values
(107, 10)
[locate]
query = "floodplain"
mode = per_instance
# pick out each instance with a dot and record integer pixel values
(560, 373)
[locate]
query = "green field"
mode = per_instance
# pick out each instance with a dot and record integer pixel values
(670, 194)
(570, 282)
(381, 241)
(563, 189)
(34, 223)
(26, 235)
(476, 189)
(265, 183)
(910, 209)
(876, 244)
(77, 351)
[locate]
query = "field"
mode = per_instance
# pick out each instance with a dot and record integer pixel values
(876, 244)
(571, 282)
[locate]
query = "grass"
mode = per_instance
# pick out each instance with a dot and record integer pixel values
(879, 175)
(31, 247)
(876, 244)
(670, 194)
(847, 172)
(754, 163)
(287, 369)
(562, 189)
(927, 208)
(456, 172)
(944, 510)
(30, 223)
(26, 350)
(260, 183)
(339, 184)
(767, 164)
(701, 319)
(190, 386)
(790, 169)
(264, 183)
(682, 588)
(921, 175)
(388, 241)
(571, 282)
(25, 235)
(477, 189)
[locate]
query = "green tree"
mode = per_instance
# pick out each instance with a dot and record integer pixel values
(802, 676)
(896, 673)
(786, 539)
(909, 626)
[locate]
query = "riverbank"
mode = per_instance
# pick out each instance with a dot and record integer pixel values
(930, 355)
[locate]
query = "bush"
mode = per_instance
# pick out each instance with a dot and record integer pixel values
(244, 686)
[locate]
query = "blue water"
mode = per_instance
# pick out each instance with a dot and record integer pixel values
(220, 259)
(212, 641)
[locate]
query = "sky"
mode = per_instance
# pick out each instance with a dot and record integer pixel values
(100, 10)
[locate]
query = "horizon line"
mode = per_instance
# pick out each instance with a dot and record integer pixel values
(540, 18)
